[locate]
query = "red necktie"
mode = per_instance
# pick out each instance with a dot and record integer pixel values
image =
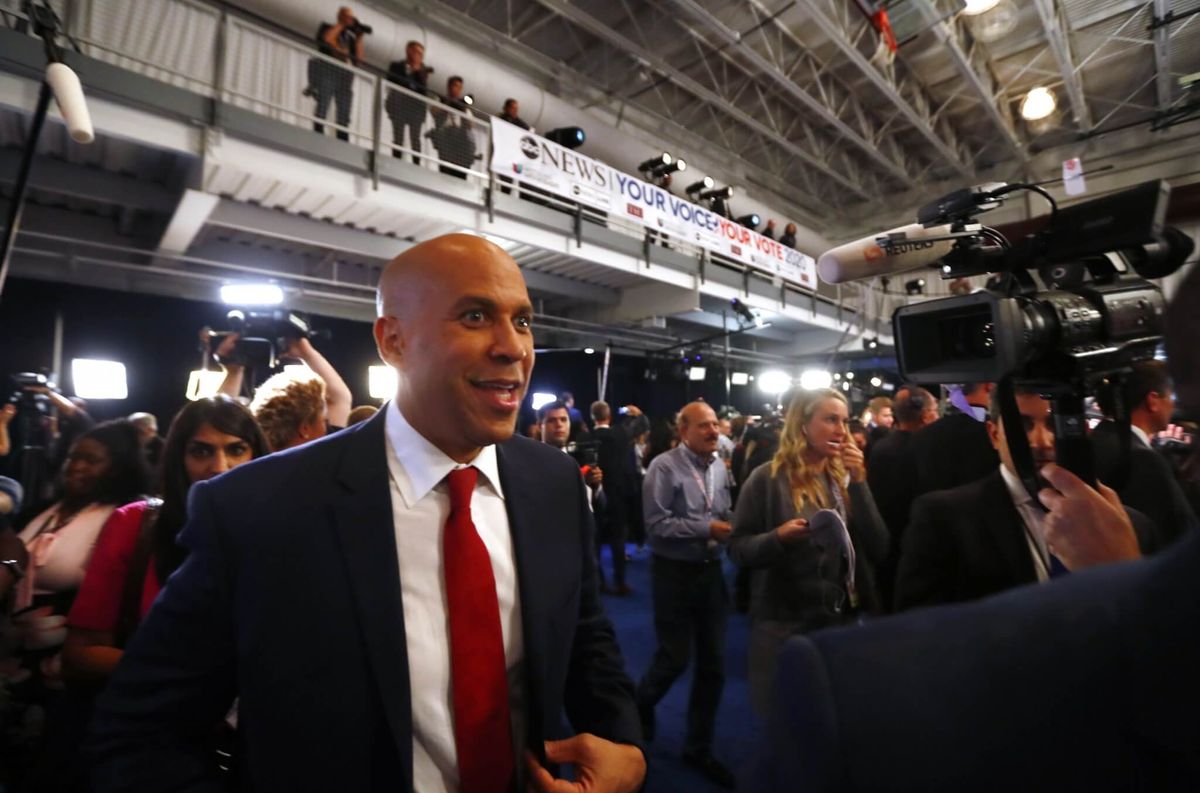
(478, 676)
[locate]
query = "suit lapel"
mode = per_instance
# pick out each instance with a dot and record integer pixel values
(518, 477)
(1007, 530)
(364, 525)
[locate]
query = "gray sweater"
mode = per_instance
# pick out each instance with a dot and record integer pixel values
(803, 581)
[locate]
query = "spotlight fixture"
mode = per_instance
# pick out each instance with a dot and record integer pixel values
(813, 379)
(251, 294)
(657, 162)
(915, 287)
(849, 375)
(706, 183)
(567, 137)
(660, 171)
(739, 378)
(1038, 103)
(697, 373)
(845, 385)
(468, 100)
(98, 379)
(870, 344)
(589, 350)
(723, 193)
(751, 221)
(540, 399)
(876, 381)
(774, 381)
(743, 311)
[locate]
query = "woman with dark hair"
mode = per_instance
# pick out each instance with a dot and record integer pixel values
(104, 468)
(136, 552)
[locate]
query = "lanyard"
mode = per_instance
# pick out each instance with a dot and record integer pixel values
(708, 499)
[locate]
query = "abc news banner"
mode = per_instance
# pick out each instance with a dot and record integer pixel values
(536, 161)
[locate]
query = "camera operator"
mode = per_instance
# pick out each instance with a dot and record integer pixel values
(338, 398)
(404, 110)
(556, 431)
(956, 450)
(453, 136)
(343, 41)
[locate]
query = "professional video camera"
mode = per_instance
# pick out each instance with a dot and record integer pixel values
(359, 29)
(586, 453)
(1094, 315)
(262, 333)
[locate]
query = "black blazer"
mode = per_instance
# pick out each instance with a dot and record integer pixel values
(1086, 683)
(1150, 485)
(968, 543)
(952, 451)
(290, 599)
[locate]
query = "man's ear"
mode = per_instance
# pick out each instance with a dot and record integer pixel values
(389, 341)
(994, 433)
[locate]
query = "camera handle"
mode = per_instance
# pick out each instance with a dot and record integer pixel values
(1071, 447)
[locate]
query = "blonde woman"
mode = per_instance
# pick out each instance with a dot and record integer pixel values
(806, 577)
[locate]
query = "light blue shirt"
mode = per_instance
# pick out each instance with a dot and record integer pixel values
(681, 494)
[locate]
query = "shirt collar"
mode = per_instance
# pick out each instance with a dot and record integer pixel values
(1016, 488)
(1141, 435)
(700, 460)
(423, 466)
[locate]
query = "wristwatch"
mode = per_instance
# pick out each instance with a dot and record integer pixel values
(14, 567)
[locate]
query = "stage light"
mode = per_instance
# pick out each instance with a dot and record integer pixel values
(656, 162)
(849, 375)
(837, 375)
(870, 344)
(751, 221)
(1038, 104)
(204, 383)
(813, 379)
(723, 193)
(915, 287)
(697, 373)
(660, 171)
(774, 381)
(589, 350)
(743, 311)
(96, 379)
(468, 100)
(567, 137)
(706, 183)
(381, 382)
(739, 378)
(845, 385)
(977, 7)
(876, 381)
(251, 294)
(540, 399)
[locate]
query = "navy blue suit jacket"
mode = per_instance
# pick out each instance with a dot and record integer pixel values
(1086, 683)
(290, 600)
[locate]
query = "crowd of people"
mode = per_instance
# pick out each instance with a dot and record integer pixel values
(160, 614)
(412, 102)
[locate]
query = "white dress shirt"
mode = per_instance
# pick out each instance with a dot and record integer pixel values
(1034, 519)
(1139, 434)
(420, 508)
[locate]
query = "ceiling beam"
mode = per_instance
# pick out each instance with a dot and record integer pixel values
(306, 231)
(1055, 26)
(948, 147)
(93, 184)
(191, 213)
(875, 150)
(980, 80)
(600, 30)
(1163, 84)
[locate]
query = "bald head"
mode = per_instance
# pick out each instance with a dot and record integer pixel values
(698, 428)
(455, 322)
(447, 261)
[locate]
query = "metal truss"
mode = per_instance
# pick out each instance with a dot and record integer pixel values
(1056, 28)
(1164, 85)
(971, 59)
(900, 87)
(729, 92)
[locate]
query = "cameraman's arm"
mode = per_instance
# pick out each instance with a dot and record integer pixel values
(358, 50)
(333, 38)
(337, 394)
(235, 373)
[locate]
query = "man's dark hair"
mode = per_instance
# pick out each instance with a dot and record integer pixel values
(910, 409)
(509, 103)
(994, 400)
(414, 43)
(1147, 377)
(545, 410)
(566, 396)
(453, 79)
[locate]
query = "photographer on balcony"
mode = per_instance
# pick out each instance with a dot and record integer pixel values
(405, 110)
(343, 41)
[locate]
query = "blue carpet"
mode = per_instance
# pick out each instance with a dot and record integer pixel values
(737, 727)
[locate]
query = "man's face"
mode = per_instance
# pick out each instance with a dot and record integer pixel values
(345, 15)
(884, 417)
(454, 89)
(513, 109)
(457, 328)
(726, 427)
(1161, 408)
(416, 55)
(699, 428)
(1039, 429)
(556, 428)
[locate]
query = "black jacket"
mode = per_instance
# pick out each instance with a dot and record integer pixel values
(953, 451)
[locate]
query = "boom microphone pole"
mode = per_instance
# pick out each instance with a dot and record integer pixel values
(64, 85)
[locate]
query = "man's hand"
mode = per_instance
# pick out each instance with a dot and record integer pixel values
(6, 414)
(794, 530)
(600, 766)
(298, 348)
(227, 346)
(1085, 528)
(594, 477)
(720, 530)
